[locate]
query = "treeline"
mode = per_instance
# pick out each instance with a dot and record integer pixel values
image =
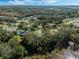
(25, 11)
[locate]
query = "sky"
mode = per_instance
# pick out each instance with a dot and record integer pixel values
(39, 2)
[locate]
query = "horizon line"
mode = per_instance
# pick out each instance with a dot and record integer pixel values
(39, 5)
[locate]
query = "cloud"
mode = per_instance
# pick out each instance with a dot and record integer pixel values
(17, 2)
(39, 2)
(67, 2)
(31, 2)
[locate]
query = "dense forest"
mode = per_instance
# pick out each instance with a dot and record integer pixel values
(38, 33)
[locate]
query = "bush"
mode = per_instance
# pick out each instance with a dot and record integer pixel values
(5, 51)
(5, 36)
